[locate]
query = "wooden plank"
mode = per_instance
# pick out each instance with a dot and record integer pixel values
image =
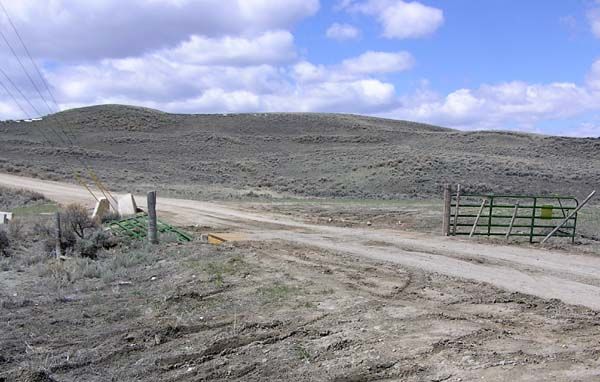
(590, 196)
(478, 216)
(512, 220)
(215, 240)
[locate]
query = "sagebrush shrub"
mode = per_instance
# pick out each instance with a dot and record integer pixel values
(4, 243)
(16, 229)
(76, 220)
(80, 234)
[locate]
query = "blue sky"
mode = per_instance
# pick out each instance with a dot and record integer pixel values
(496, 64)
(480, 41)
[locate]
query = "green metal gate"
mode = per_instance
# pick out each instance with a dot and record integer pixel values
(512, 215)
(136, 227)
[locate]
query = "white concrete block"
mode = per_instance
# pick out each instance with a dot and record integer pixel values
(127, 206)
(5, 217)
(102, 208)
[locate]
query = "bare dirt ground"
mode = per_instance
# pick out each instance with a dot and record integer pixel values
(306, 302)
(277, 311)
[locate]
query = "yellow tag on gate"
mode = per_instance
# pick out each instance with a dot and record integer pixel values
(547, 211)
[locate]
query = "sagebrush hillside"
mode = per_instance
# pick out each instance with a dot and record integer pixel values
(308, 154)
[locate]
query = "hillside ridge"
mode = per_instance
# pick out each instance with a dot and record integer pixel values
(295, 154)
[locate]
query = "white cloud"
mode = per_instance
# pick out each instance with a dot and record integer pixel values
(98, 29)
(232, 78)
(165, 81)
(342, 32)
(270, 47)
(8, 108)
(243, 58)
(593, 78)
(353, 96)
(585, 130)
(308, 72)
(500, 105)
(401, 19)
(593, 16)
(378, 62)
(367, 64)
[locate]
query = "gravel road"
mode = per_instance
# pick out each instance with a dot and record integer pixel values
(574, 279)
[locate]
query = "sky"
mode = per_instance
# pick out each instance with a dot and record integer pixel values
(531, 66)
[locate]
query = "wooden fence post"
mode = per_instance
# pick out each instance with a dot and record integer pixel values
(447, 210)
(152, 229)
(57, 235)
(456, 209)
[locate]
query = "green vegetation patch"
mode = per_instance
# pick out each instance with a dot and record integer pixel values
(38, 209)
(276, 292)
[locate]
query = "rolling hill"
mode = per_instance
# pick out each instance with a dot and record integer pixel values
(300, 154)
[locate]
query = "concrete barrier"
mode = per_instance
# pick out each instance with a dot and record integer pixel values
(5, 217)
(102, 208)
(127, 205)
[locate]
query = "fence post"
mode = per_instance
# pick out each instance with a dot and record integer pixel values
(456, 208)
(489, 230)
(57, 235)
(447, 209)
(532, 231)
(152, 230)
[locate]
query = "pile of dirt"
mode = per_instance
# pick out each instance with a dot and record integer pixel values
(307, 154)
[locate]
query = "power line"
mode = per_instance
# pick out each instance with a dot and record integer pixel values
(70, 139)
(45, 137)
(32, 106)
(30, 79)
(14, 100)
(29, 55)
(20, 92)
(43, 79)
(39, 72)
(14, 53)
(25, 70)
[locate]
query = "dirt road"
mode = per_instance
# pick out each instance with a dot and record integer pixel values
(574, 279)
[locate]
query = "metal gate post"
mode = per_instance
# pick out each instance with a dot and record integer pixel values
(574, 229)
(490, 217)
(531, 232)
(456, 209)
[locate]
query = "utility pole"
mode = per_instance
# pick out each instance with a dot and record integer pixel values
(152, 228)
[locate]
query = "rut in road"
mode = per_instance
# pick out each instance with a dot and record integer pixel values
(574, 279)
